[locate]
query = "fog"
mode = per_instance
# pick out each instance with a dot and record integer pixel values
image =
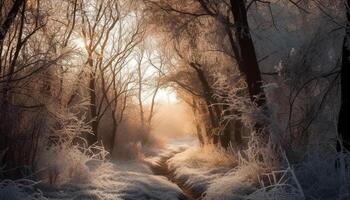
(173, 120)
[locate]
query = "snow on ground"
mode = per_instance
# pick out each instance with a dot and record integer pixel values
(197, 167)
(153, 156)
(214, 173)
(80, 177)
(97, 180)
(128, 180)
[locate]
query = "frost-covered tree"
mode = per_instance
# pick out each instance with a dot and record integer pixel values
(110, 32)
(213, 31)
(30, 54)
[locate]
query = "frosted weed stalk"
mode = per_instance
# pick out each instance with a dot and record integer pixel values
(278, 184)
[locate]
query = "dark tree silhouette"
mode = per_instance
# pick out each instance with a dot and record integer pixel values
(343, 128)
(10, 18)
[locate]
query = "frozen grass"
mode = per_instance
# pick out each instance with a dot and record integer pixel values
(225, 175)
(77, 173)
(228, 175)
(234, 184)
(19, 190)
(204, 157)
(213, 172)
(281, 185)
(217, 173)
(322, 174)
(198, 167)
(123, 180)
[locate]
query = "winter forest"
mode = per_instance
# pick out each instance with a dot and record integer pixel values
(174, 99)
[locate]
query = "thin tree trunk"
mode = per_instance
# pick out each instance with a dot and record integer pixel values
(197, 123)
(114, 129)
(91, 139)
(213, 109)
(139, 73)
(114, 114)
(153, 102)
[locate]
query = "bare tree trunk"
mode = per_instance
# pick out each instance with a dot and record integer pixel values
(195, 111)
(139, 73)
(213, 108)
(151, 112)
(343, 127)
(247, 59)
(6, 124)
(91, 139)
(114, 129)
(8, 21)
(244, 51)
(114, 114)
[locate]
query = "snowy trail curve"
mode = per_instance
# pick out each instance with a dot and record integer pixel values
(162, 169)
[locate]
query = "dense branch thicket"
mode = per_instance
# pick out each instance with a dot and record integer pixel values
(227, 49)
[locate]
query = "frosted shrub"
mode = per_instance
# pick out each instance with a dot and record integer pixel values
(233, 95)
(65, 156)
(64, 163)
(68, 124)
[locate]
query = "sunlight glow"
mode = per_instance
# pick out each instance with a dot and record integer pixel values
(79, 43)
(165, 95)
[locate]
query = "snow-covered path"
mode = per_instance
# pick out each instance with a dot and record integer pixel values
(159, 166)
(162, 169)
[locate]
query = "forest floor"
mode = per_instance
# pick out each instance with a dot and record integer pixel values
(179, 171)
(182, 170)
(147, 178)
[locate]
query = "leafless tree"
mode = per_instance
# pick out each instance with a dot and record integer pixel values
(28, 53)
(108, 43)
(195, 18)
